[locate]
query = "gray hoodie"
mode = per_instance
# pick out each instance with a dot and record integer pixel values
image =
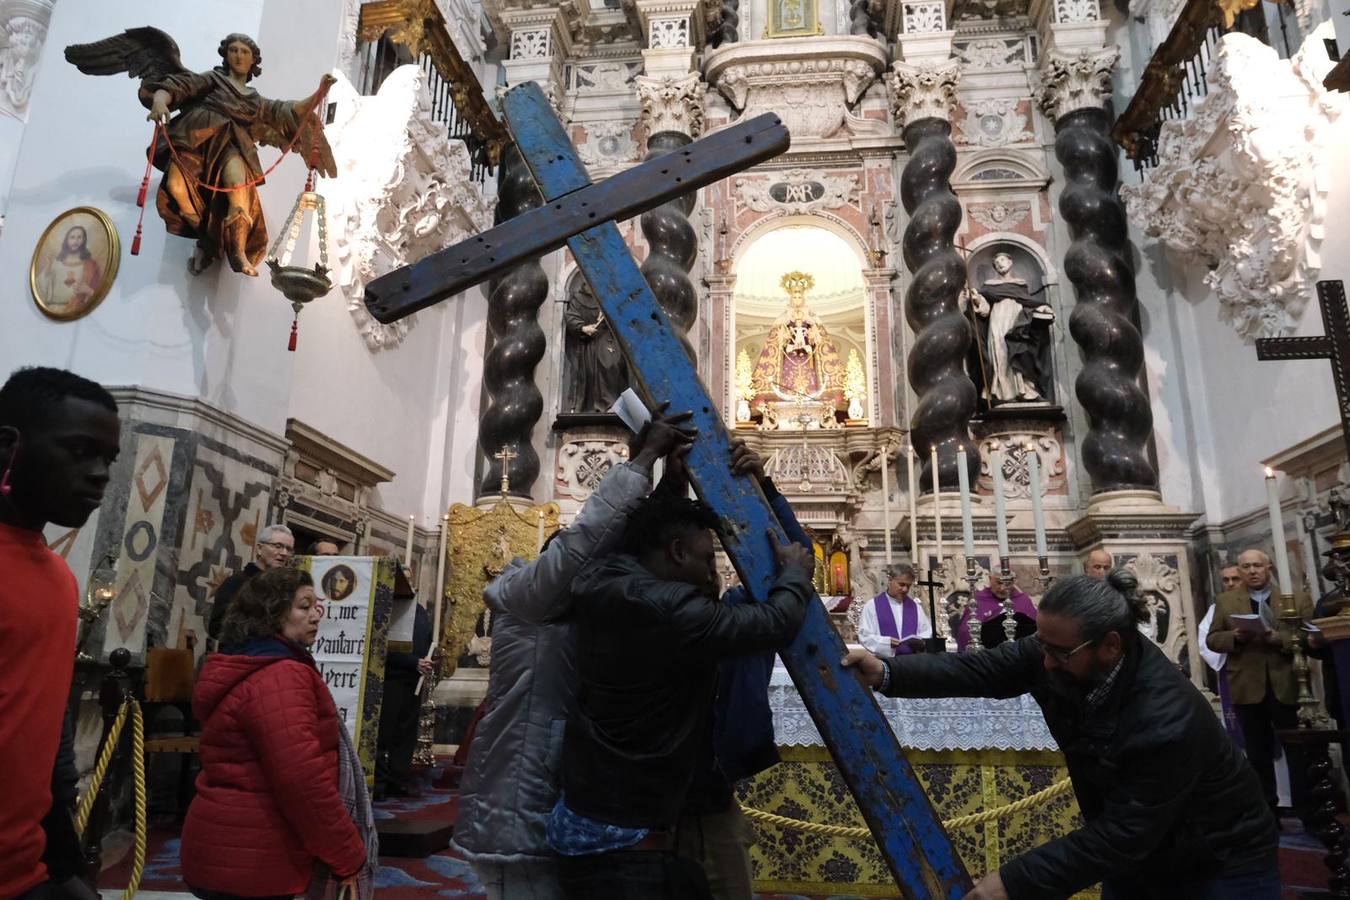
(513, 776)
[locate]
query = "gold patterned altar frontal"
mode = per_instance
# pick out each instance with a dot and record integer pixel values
(807, 785)
(482, 541)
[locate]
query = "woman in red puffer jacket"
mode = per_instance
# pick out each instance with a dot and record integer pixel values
(267, 803)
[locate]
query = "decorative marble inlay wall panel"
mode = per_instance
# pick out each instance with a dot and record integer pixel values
(993, 123)
(584, 458)
(142, 530)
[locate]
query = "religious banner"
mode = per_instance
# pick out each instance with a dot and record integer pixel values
(357, 595)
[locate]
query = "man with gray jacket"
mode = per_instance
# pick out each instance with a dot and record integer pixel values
(512, 778)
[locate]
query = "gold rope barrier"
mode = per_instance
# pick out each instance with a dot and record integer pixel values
(86, 805)
(847, 831)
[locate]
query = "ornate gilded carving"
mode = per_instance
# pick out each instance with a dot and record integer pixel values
(482, 541)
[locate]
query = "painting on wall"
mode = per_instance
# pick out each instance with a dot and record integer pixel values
(74, 263)
(793, 18)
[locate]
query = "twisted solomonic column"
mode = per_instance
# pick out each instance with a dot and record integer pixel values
(514, 403)
(923, 95)
(672, 111)
(1074, 89)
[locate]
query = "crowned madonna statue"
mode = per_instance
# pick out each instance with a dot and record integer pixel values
(798, 380)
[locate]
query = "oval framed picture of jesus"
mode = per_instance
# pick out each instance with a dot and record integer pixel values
(74, 263)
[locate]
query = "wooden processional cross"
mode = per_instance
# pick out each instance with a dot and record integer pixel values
(1333, 345)
(582, 215)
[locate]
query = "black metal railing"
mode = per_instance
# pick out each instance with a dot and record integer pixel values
(1176, 77)
(395, 33)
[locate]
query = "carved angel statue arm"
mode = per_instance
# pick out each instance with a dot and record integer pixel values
(281, 121)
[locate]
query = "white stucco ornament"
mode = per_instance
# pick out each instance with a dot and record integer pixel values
(1240, 186)
(403, 190)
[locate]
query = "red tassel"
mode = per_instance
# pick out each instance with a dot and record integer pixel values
(295, 328)
(136, 241)
(145, 189)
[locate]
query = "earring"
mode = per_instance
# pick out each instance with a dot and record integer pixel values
(5, 488)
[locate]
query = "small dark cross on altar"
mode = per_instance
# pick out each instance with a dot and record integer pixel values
(908, 832)
(506, 454)
(933, 644)
(1334, 345)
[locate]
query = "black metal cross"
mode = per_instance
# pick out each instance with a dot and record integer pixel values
(1334, 345)
(933, 644)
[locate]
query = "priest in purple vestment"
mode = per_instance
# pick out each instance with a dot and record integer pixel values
(894, 623)
(988, 605)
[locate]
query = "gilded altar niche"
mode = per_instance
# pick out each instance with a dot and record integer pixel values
(802, 340)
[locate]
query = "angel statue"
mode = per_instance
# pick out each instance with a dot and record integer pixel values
(207, 149)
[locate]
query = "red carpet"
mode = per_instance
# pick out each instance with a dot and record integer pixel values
(446, 875)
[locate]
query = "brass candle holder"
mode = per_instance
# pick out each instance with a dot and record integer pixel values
(1310, 713)
(1005, 579)
(977, 640)
(98, 595)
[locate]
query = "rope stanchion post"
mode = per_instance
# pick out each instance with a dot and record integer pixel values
(113, 693)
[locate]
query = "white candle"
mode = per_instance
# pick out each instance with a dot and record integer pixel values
(1037, 513)
(407, 547)
(963, 480)
(539, 537)
(1277, 534)
(886, 497)
(913, 508)
(440, 581)
(1000, 512)
(937, 507)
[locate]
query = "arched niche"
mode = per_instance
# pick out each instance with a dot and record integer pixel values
(802, 337)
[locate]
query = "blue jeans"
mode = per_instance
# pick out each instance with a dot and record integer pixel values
(1256, 886)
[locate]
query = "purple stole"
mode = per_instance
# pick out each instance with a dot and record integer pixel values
(909, 618)
(1230, 720)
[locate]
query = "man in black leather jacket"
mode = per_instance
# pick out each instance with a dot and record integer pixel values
(650, 632)
(1172, 809)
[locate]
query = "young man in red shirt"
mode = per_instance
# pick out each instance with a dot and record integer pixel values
(59, 436)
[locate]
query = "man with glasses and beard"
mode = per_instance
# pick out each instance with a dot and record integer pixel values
(1171, 808)
(275, 547)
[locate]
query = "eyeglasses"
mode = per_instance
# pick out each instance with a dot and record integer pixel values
(277, 545)
(1058, 654)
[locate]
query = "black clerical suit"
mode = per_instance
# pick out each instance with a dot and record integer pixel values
(400, 713)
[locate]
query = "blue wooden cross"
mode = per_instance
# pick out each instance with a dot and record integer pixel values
(893, 803)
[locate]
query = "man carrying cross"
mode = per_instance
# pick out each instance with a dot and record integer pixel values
(894, 623)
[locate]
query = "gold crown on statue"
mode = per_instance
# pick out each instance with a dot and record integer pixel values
(797, 284)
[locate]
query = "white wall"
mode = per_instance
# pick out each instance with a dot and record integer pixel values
(222, 336)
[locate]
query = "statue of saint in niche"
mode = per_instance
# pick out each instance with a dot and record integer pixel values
(1016, 336)
(595, 370)
(799, 361)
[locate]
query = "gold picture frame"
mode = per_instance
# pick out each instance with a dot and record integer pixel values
(69, 281)
(793, 18)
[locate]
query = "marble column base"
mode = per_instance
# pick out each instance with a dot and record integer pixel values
(1152, 539)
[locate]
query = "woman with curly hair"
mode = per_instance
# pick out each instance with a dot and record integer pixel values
(280, 800)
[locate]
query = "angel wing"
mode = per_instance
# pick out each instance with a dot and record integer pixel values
(140, 52)
(310, 143)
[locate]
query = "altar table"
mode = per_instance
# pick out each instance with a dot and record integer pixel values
(970, 754)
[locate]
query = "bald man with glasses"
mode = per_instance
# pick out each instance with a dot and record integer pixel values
(1260, 668)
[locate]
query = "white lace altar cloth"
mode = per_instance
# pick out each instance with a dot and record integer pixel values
(957, 723)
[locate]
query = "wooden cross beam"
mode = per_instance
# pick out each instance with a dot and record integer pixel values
(1334, 345)
(893, 803)
(934, 644)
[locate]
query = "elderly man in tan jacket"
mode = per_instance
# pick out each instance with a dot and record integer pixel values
(1260, 669)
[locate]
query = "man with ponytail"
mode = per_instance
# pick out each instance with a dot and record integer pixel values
(1171, 808)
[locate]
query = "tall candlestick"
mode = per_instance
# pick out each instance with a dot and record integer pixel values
(1277, 534)
(963, 481)
(913, 508)
(407, 547)
(937, 507)
(1037, 513)
(539, 536)
(886, 497)
(440, 581)
(1000, 510)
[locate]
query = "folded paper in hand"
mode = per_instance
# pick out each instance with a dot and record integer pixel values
(1248, 622)
(632, 410)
